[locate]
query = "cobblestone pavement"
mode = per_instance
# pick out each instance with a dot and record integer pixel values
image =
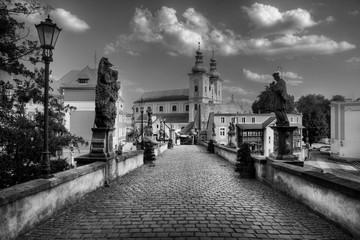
(187, 194)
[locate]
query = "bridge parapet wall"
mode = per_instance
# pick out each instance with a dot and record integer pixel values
(25, 205)
(334, 198)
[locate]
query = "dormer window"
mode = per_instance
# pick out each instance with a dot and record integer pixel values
(83, 81)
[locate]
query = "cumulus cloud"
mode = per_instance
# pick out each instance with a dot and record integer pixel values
(63, 18)
(281, 34)
(290, 77)
(354, 13)
(267, 19)
(354, 60)
(236, 90)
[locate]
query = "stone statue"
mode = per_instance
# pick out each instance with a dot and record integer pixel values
(280, 98)
(149, 112)
(106, 95)
(213, 127)
(231, 127)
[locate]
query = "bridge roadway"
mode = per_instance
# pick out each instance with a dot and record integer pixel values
(187, 194)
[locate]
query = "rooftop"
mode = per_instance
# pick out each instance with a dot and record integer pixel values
(165, 95)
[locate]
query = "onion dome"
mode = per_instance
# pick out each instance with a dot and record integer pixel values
(213, 72)
(199, 67)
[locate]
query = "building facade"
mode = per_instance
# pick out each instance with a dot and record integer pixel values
(345, 129)
(254, 129)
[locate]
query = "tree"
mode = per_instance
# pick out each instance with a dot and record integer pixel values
(245, 162)
(316, 116)
(265, 102)
(21, 136)
(338, 98)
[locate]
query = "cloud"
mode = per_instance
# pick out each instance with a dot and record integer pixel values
(63, 19)
(329, 19)
(236, 90)
(354, 60)
(127, 82)
(354, 13)
(69, 21)
(291, 78)
(279, 34)
(267, 19)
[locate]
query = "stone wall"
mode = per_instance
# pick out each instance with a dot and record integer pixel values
(336, 199)
(25, 205)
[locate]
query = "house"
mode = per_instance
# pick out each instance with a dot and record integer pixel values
(345, 129)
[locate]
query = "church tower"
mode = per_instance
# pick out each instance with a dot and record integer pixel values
(215, 82)
(198, 85)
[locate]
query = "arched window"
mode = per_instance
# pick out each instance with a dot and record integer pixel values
(173, 108)
(196, 88)
(161, 108)
(136, 109)
(195, 106)
(187, 108)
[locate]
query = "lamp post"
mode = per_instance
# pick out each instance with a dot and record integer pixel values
(142, 120)
(164, 119)
(48, 34)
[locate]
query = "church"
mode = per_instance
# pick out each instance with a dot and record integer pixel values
(186, 110)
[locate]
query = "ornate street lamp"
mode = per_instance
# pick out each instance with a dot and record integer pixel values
(48, 34)
(142, 124)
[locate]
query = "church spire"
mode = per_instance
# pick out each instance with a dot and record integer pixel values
(199, 67)
(213, 72)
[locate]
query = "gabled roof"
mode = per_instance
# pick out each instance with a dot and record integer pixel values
(70, 80)
(166, 95)
(186, 130)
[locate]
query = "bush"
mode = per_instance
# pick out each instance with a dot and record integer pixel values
(170, 144)
(245, 163)
(59, 165)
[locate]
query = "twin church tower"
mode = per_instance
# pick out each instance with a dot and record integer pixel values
(204, 86)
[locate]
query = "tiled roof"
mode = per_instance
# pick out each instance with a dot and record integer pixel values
(70, 80)
(250, 126)
(166, 95)
(170, 117)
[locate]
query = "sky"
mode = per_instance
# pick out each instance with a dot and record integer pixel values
(152, 43)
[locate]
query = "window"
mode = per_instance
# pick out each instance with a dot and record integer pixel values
(297, 119)
(205, 88)
(233, 119)
(253, 120)
(269, 139)
(83, 80)
(187, 108)
(222, 120)
(136, 109)
(196, 88)
(243, 120)
(291, 119)
(222, 131)
(161, 108)
(173, 108)
(195, 106)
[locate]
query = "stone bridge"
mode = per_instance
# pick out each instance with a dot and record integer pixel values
(187, 194)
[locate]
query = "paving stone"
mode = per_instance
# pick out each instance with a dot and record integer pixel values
(188, 194)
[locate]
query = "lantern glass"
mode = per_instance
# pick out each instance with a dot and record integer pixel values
(48, 33)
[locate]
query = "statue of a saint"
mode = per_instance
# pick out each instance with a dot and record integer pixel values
(280, 98)
(149, 113)
(106, 95)
(231, 127)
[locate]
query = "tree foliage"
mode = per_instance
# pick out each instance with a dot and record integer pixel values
(315, 109)
(265, 102)
(21, 135)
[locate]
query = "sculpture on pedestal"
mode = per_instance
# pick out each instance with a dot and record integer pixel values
(231, 135)
(106, 95)
(283, 129)
(101, 147)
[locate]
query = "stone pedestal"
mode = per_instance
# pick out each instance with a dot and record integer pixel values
(101, 147)
(284, 143)
(231, 142)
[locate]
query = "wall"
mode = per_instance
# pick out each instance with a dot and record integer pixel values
(334, 198)
(25, 205)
